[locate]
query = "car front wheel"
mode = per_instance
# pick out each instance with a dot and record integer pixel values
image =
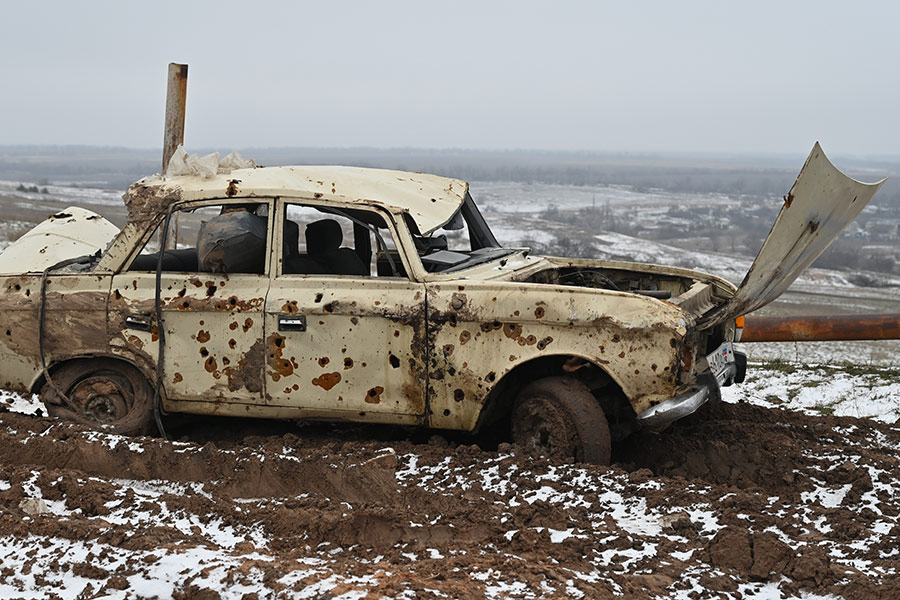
(560, 418)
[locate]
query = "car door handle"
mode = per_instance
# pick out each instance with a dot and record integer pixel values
(139, 322)
(291, 323)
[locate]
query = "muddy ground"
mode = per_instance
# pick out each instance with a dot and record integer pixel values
(739, 502)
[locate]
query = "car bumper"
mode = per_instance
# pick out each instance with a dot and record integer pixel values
(657, 418)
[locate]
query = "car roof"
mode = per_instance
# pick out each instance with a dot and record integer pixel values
(431, 200)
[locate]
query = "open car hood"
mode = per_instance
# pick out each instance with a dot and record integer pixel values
(821, 203)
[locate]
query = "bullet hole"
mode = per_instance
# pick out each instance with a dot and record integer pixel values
(446, 412)
(544, 342)
(653, 367)
(329, 307)
(232, 344)
(539, 312)
(395, 362)
(354, 320)
(204, 351)
(279, 341)
(396, 333)
(324, 361)
(490, 377)
(186, 304)
(8, 332)
(319, 297)
(27, 292)
(211, 290)
(117, 294)
(464, 336)
(18, 287)
(225, 361)
(348, 363)
(233, 325)
(615, 338)
(459, 395)
(233, 301)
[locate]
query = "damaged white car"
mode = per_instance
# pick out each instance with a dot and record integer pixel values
(350, 294)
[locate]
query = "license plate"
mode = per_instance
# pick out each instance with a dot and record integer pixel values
(720, 359)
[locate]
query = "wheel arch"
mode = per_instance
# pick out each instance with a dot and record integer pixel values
(602, 383)
(141, 365)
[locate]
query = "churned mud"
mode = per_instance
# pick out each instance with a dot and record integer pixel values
(737, 502)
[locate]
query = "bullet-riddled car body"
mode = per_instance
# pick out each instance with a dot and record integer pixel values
(341, 293)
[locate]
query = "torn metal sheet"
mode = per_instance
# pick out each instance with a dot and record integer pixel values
(821, 203)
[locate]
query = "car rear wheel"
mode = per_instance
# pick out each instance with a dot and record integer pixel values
(102, 393)
(560, 418)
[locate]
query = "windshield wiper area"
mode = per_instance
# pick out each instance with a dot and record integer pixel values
(477, 257)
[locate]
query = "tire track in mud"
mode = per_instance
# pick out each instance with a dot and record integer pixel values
(739, 499)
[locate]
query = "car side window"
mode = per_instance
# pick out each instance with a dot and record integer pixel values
(322, 241)
(222, 238)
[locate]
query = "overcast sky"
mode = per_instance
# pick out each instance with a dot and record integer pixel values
(754, 77)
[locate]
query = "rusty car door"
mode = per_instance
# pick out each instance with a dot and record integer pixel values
(346, 346)
(213, 328)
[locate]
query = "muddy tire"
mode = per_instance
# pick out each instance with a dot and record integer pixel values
(560, 418)
(103, 394)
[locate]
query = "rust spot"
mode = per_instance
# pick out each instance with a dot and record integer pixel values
(621, 354)
(458, 301)
(326, 381)
(232, 344)
(348, 363)
(203, 336)
(615, 338)
(210, 364)
(637, 371)
(448, 350)
(248, 323)
(280, 366)
(233, 325)
(539, 312)
(225, 361)
(177, 378)
(653, 367)
(373, 396)
(512, 330)
(290, 307)
(204, 352)
(396, 333)
(232, 189)
(544, 342)
(491, 326)
(459, 395)
(464, 336)
(324, 361)
(395, 362)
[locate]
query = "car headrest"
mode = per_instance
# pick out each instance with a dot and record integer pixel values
(323, 236)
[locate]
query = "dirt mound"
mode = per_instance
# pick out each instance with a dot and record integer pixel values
(737, 500)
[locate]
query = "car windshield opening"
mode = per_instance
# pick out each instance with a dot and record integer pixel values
(463, 242)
